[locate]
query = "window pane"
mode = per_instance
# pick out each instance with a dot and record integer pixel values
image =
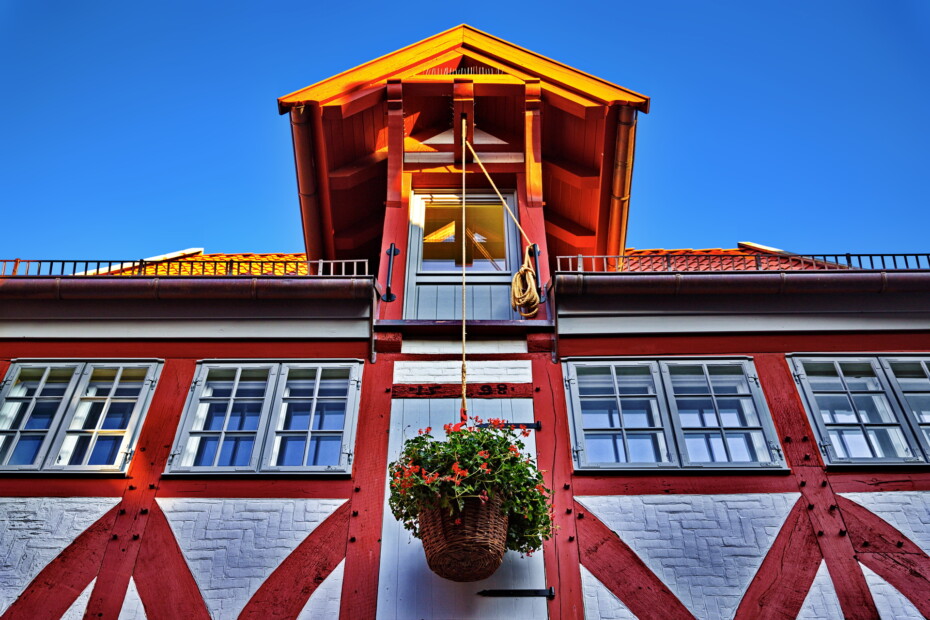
(647, 448)
(919, 405)
(822, 376)
(74, 449)
(860, 377)
(910, 376)
(635, 380)
(696, 411)
(26, 450)
(236, 451)
(604, 448)
(210, 416)
(244, 415)
(42, 415)
(737, 412)
(5, 442)
(889, 442)
(728, 379)
(57, 382)
(291, 451)
(200, 451)
(101, 382)
(330, 415)
(334, 382)
(27, 382)
(850, 443)
(252, 383)
(599, 413)
(12, 414)
(705, 448)
(485, 238)
(688, 379)
(639, 412)
(300, 382)
(130, 382)
(106, 450)
(325, 450)
(874, 408)
(595, 380)
(219, 383)
(118, 416)
(87, 415)
(835, 408)
(748, 447)
(296, 416)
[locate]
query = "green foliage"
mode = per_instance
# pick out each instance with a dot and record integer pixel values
(477, 463)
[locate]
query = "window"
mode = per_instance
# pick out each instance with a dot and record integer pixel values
(868, 409)
(670, 413)
(269, 417)
(72, 416)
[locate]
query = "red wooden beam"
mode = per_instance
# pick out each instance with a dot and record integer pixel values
(395, 112)
(203, 349)
(473, 390)
(554, 457)
(783, 580)
(369, 471)
(258, 487)
(679, 483)
(463, 107)
(287, 590)
(619, 568)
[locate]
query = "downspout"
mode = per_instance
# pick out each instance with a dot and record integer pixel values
(622, 177)
(310, 215)
(322, 177)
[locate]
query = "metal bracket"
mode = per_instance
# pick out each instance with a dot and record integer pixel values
(536, 426)
(548, 593)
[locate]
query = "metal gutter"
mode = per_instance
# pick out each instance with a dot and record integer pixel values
(176, 287)
(742, 283)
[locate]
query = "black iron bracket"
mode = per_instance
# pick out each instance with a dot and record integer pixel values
(540, 288)
(388, 295)
(548, 593)
(536, 426)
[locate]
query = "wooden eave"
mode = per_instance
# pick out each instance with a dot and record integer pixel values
(367, 79)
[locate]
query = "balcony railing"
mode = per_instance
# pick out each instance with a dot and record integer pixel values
(663, 262)
(198, 268)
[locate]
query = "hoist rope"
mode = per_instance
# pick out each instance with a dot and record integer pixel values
(524, 296)
(464, 412)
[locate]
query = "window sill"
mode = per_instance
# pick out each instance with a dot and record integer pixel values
(681, 471)
(64, 474)
(274, 475)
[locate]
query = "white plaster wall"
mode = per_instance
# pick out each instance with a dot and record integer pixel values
(891, 604)
(450, 371)
(455, 346)
(908, 511)
(233, 545)
(132, 604)
(599, 602)
(326, 599)
(706, 548)
(35, 530)
(821, 602)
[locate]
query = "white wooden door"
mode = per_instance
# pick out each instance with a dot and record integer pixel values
(408, 589)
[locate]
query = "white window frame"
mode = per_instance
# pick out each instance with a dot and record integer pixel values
(671, 426)
(260, 462)
(58, 431)
(891, 389)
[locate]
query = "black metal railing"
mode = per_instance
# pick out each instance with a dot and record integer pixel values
(665, 262)
(180, 268)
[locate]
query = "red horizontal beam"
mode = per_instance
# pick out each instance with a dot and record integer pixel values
(257, 488)
(453, 390)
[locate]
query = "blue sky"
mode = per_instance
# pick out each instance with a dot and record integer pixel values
(131, 129)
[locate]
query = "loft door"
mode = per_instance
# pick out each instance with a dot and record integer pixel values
(435, 259)
(407, 587)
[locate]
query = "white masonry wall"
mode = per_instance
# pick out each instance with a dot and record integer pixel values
(450, 371)
(705, 548)
(35, 530)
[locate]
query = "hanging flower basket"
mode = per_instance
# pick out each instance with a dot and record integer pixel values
(471, 497)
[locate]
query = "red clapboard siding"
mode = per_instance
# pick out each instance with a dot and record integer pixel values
(781, 584)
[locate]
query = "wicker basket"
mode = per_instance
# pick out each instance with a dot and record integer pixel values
(470, 551)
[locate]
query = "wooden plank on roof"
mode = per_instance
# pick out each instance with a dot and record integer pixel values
(572, 173)
(568, 231)
(358, 171)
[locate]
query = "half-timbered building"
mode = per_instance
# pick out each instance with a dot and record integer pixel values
(727, 433)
